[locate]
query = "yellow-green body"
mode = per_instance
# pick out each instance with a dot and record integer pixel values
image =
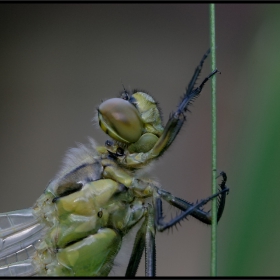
(95, 199)
(87, 226)
(77, 225)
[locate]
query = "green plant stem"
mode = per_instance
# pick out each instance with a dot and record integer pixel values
(214, 145)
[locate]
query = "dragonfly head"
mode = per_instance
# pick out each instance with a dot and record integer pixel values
(133, 119)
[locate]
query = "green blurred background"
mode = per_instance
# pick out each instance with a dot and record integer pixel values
(58, 61)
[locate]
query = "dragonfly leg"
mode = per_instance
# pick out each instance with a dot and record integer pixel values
(175, 122)
(188, 208)
(145, 238)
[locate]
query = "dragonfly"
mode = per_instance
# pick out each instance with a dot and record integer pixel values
(76, 227)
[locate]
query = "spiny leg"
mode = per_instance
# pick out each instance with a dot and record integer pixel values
(145, 238)
(137, 251)
(188, 208)
(175, 122)
(142, 187)
(199, 214)
(177, 119)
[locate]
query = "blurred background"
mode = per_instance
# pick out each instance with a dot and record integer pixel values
(58, 61)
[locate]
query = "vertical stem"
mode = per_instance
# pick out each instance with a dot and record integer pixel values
(214, 145)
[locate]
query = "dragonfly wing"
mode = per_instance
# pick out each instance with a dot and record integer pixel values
(23, 268)
(23, 232)
(19, 232)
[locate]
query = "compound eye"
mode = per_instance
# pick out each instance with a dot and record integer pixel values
(120, 120)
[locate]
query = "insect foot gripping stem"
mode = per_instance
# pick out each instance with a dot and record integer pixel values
(190, 209)
(222, 198)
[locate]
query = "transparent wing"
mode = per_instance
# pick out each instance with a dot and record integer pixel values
(19, 232)
(22, 230)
